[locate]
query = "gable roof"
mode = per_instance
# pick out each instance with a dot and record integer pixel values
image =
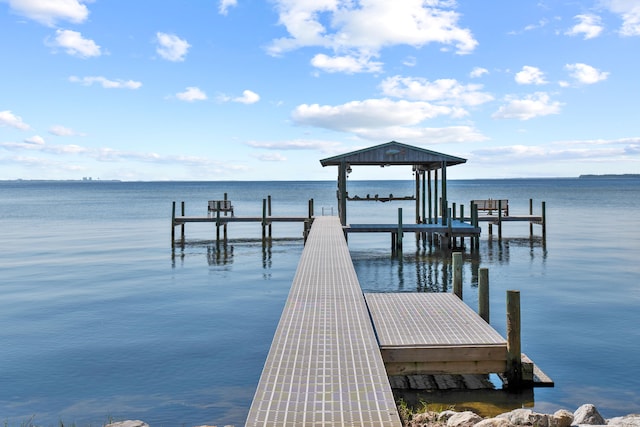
(394, 153)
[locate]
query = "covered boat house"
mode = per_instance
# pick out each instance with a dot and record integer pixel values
(429, 168)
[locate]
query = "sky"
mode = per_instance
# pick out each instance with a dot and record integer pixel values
(262, 90)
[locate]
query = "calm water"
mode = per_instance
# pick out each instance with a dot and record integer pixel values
(101, 320)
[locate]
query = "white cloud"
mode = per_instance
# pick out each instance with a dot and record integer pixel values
(76, 45)
(324, 146)
(35, 140)
(410, 61)
(629, 11)
(59, 130)
(445, 91)
(478, 72)
(48, 12)
(534, 105)
(584, 151)
(171, 47)
(225, 5)
(248, 97)
(586, 74)
(362, 29)
(271, 157)
(357, 116)
(346, 64)
(530, 76)
(7, 118)
(192, 94)
(423, 135)
(589, 25)
(106, 83)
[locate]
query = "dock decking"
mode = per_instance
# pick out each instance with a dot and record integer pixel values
(434, 333)
(333, 350)
(324, 366)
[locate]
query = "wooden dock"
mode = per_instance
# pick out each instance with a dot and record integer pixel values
(324, 367)
(333, 351)
(434, 333)
(221, 219)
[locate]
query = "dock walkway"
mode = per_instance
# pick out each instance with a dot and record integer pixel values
(324, 366)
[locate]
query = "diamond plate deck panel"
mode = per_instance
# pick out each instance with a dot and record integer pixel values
(428, 319)
(324, 367)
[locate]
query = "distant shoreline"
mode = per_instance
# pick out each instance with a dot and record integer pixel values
(95, 180)
(612, 176)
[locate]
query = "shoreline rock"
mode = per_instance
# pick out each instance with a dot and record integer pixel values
(585, 415)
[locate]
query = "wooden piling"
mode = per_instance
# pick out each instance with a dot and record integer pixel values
(173, 225)
(457, 273)
(514, 348)
(483, 294)
(400, 233)
(182, 226)
(531, 213)
(218, 221)
(544, 221)
(264, 219)
(500, 219)
(269, 212)
(462, 220)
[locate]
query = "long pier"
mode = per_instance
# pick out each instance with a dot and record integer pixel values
(324, 367)
(333, 349)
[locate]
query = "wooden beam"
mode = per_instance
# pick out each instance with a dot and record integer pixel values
(436, 354)
(424, 368)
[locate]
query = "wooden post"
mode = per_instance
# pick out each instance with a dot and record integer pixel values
(530, 222)
(264, 219)
(457, 273)
(500, 219)
(475, 222)
(218, 221)
(514, 348)
(342, 192)
(435, 196)
(462, 220)
(544, 221)
(430, 199)
(173, 225)
(400, 232)
(269, 212)
(182, 226)
(445, 200)
(449, 228)
(424, 196)
(483, 294)
(310, 208)
(417, 172)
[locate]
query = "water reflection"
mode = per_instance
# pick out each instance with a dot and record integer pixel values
(498, 250)
(429, 268)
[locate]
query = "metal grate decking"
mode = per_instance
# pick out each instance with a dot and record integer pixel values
(324, 367)
(427, 333)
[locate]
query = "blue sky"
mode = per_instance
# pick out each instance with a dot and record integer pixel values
(262, 90)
